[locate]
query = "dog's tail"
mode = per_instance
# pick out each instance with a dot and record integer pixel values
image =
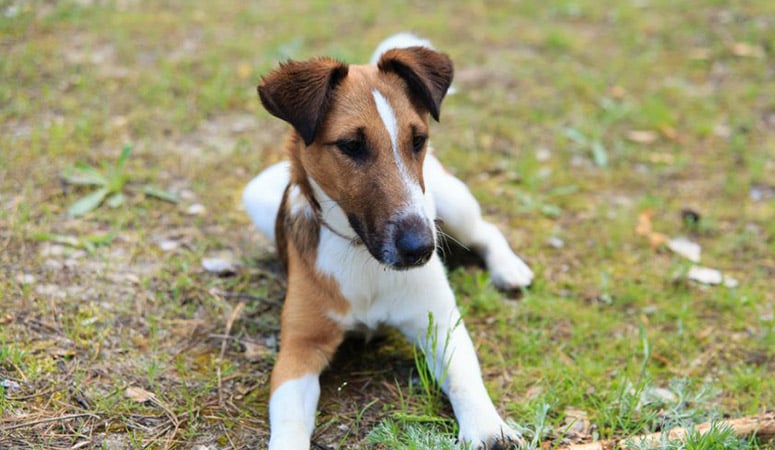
(404, 40)
(400, 40)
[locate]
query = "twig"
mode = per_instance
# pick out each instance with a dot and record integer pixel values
(242, 296)
(48, 420)
(232, 317)
(761, 426)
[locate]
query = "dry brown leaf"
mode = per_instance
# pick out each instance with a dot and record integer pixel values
(746, 50)
(657, 240)
(642, 136)
(243, 71)
(255, 351)
(662, 158)
(139, 395)
(669, 132)
(644, 226)
(577, 421)
(617, 91)
(704, 333)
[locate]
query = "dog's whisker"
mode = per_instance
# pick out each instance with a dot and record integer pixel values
(451, 238)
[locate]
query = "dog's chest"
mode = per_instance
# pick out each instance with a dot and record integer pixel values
(377, 295)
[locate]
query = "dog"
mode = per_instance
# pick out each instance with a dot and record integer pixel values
(353, 214)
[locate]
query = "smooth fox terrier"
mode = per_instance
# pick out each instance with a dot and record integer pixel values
(353, 215)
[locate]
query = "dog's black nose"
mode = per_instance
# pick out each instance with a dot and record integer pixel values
(414, 242)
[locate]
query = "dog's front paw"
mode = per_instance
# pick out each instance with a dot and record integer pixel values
(501, 437)
(508, 272)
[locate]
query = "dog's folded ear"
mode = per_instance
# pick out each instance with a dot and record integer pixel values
(427, 73)
(300, 92)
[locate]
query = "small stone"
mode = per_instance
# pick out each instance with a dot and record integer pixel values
(556, 242)
(543, 154)
(9, 384)
(52, 250)
(544, 172)
(50, 291)
(662, 394)
(53, 265)
(713, 277)
(686, 248)
(197, 209)
(168, 245)
(222, 264)
(26, 278)
(730, 282)
(705, 275)
(132, 278)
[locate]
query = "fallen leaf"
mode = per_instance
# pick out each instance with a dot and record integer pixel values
(576, 421)
(662, 158)
(642, 136)
(645, 228)
(139, 395)
(617, 91)
(255, 351)
(243, 71)
(704, 333)
(657, 240)
(746, 50)
(669, 132)
(645, 225)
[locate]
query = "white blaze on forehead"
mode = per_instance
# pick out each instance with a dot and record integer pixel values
(388, 117)
(390, 122)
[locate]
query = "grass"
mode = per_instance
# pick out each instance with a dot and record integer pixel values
(572, 118)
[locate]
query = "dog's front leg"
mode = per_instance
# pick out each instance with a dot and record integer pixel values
(308, 341)
(451, 356)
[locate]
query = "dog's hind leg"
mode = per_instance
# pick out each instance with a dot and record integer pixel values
(461, 218)
(263, 195)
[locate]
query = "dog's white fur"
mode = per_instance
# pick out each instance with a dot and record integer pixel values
(402, 299)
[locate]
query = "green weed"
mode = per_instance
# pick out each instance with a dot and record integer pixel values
(109, 181)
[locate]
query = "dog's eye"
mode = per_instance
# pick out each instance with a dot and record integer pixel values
(355, 149)
(418, 142)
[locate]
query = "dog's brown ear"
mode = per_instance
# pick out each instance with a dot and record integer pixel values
(300, 92)
(426, 72)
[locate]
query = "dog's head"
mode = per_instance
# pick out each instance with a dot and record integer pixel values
(364, 131)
